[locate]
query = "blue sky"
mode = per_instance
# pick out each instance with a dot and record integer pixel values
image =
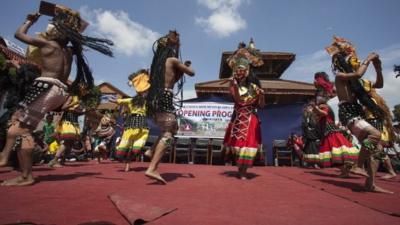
(209, 27)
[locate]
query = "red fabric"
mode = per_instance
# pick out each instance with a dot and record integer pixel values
(327, 86)
(252, 137)
(332, 140)
(137, 210)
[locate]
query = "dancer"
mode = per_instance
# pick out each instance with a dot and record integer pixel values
(311, 136)
(68, 131)
(48, 92)
(334, 147)
(136, 130)
(104, 132)
(244, 136)
(166, 70)
(352, 96)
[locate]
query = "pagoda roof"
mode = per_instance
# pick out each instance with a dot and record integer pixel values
(277, 91)
(270, 87)
(275, 63)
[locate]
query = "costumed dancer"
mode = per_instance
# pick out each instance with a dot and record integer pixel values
(383, 123)
(311, 136)
(166, 70)
(104, 133)
(49, 91)
(136, 130)
(244, 136)
(68, 131)
(335, 148)
(352, 97)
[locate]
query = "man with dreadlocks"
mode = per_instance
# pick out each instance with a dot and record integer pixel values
(166, 70)
(352, 96)
(49, 91)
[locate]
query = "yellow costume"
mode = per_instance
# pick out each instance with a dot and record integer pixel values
(53, 148)
(136, 131)
(378, 123)
(68, 128)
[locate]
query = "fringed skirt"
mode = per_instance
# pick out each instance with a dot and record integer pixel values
(336, 149)
(311, 151)
(243, 138)
(132, 141)
(68, 131)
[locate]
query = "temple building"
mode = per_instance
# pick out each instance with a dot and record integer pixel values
(284, 99)
(277, 90)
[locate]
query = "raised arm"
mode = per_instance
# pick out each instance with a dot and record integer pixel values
(183, 67)
(21, 33)
(360, 71)
(379, 76)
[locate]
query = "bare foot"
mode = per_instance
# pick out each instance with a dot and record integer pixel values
(52, 163)
(57, 165)
(389, 176)
(156, 176)
(359, 171)
(18, 181)
(148, 153)
(378, 190)
(127, 167)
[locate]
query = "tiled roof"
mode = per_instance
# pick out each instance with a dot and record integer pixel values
(275, 63)
(271, 87)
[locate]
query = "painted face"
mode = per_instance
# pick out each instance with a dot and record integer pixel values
(240, 72)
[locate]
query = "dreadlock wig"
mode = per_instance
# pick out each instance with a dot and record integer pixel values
(68, 24)
(166, 47)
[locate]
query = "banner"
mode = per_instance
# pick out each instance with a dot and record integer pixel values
(105, 98)
(204, 119)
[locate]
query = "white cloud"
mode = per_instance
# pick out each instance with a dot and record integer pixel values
(305, 66)
(224, 19)
(129, 37)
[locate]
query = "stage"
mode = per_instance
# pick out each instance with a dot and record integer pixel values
(196, 194)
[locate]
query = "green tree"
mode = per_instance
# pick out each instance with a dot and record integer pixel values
(396, 113)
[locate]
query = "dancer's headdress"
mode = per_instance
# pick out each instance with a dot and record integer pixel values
(140, 80)
(244, 57)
